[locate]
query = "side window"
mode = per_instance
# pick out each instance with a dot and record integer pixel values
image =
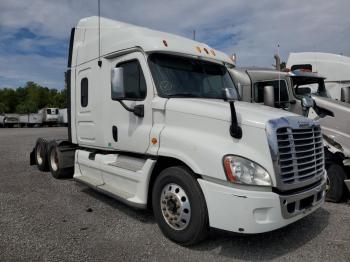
(134, 81)
(84, 92)
(259, 90)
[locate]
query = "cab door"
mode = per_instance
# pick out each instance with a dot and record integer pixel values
(129, 132)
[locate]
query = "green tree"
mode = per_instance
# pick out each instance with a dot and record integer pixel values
(3, 108)
(30, 98)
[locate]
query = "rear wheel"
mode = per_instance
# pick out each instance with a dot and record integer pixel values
(179, 206)
(41, 154)
(56, 164)
(335, 183)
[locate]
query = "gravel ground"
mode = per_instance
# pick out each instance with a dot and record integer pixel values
(43, 219)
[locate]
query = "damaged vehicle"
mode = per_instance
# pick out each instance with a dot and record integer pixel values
(304, 93)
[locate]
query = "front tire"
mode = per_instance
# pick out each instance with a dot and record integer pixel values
(55, 162)
(335, 183)
(179, 206)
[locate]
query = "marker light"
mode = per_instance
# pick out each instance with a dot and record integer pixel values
(154, 140)
(198, 49)
(165, 43)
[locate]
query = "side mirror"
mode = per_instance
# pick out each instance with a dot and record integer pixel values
(230, 94)
(269, 96)
(345, 94)
(117, 83)
(307, 102)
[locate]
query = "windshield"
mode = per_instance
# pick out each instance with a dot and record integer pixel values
(177, 76)
(304, 86)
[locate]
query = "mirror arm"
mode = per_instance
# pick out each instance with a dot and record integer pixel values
(126, 107)
(235, 129)
(138, 110)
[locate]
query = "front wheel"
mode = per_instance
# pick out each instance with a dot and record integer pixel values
(179, 206)
(335, 183)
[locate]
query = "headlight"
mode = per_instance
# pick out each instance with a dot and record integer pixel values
(243, 171)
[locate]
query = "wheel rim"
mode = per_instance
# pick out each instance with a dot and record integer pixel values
(39, 153)
(175, 206)
(54, 160)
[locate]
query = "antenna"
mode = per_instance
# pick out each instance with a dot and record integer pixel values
(194, 34)
(99, 62)
(279, 74)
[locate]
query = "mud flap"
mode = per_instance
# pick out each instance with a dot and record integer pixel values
(32, 157)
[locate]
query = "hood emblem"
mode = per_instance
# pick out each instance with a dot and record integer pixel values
(304, 124)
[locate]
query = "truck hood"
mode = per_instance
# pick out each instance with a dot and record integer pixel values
(247, 113)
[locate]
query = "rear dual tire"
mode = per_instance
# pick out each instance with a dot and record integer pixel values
(41, 154)
(48, 157)
(56, 162)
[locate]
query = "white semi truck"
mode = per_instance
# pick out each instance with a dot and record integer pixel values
(335, 68)
(154, 122)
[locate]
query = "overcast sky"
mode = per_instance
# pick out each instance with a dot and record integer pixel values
(34, 33)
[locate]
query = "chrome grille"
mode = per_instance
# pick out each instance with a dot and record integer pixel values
(301, 154)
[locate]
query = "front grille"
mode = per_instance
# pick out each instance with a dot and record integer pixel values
(301, 154)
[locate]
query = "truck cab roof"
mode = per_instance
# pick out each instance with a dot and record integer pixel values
(118, 36)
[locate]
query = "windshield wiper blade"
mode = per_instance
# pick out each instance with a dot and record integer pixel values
(182, 95)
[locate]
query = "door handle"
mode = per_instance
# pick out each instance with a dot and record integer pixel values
(115, 133)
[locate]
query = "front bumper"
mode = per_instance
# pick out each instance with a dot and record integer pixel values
(248, 211)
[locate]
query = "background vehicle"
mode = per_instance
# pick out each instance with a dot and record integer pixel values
(63, 117)
(149, 125)
(335, 68)
(2, 116)
(9, 120)
(30, 120)
(292, 92)
(49, 116)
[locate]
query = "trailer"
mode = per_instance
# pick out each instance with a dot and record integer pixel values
(2, 116)
(10, 120)
(49, 116)
(154, 121)
(30, 120)
(63, 117)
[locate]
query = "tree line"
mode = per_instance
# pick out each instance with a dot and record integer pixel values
(31, 98)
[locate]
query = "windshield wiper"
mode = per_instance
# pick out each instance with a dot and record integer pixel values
(182, 95)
